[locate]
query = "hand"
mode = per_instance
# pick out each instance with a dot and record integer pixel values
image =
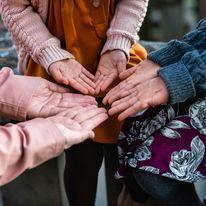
(110, 66)
(133, 76)
(72, 73)
(50, 99)
(76, 124)
(150, 93)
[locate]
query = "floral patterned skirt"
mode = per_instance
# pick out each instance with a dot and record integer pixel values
(166, 140)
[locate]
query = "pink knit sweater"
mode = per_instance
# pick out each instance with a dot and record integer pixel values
(25, 19)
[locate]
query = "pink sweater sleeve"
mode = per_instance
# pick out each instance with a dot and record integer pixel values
(16, 93)
(125, 25)
(29, 30)
(26, 145)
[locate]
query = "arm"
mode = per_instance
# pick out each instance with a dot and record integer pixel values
(183, 65)
(186, 78)
(125, 25)
(29, 31)
(26, 145)
(175, 49)
(16, 93)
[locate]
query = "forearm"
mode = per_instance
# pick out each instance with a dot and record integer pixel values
(26, 145)
(175, 49)
(16, 93)
(125, 25)
(186, 78)
(29, 31)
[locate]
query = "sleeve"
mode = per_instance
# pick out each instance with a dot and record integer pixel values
(125, 25)
(27, 145)
(29, 31)
(15, 94)
(186, 78)
(175, 49)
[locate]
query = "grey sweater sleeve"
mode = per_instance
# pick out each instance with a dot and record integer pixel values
(183, 65)
(186, 78)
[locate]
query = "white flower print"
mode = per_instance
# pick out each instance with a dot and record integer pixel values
(121, 136)
(170, 133)
(170, 113)
(197, 113)
(184, 164)
(151, 125)
(150, 169)
(142, 153)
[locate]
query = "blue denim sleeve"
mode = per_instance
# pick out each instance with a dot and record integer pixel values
(187, 77)
(175, 49)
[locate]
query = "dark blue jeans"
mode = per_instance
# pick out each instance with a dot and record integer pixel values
(143, 184)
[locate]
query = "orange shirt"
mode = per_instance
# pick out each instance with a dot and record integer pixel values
(81, 27)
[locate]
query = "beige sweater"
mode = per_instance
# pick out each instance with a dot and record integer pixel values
(25, 19)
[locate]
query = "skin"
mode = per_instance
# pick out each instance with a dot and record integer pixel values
(50, 99)
(141, 89)
(72, 73)
(111, 65)
(77, 123)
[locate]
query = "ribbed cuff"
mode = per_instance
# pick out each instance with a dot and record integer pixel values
(117, 42)
(165, 56)
(53, 54)
(178, 81)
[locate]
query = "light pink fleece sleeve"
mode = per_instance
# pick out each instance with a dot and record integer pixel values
(26, 145)
(15, 94)
(29, 31)
(125, 25)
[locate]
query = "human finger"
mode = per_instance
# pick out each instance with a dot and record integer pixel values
(137, 107)
(76, 85)
(85, 85)
(107, 82)
(125, 74)
(88, 74)
(87, 80)
(122, 106)
(99, 83)
(93, 122)
(91, 112)
(57, 75)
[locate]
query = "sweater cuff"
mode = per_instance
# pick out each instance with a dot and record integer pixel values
(117, 42)
(52, 54)
(178, 81)
(165, 56)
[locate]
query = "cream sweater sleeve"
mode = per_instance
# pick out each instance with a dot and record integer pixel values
(29, 30)
(125, 25)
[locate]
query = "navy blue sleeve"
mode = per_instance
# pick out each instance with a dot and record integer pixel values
(175, 49)
(187, 77)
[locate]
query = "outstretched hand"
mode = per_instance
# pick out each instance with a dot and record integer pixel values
(72, 73)
(137, 92)
(50, 99)
(111, 64)
(76, 124)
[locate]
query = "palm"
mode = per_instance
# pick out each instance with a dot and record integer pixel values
(49, 100)
(109, 67)
(72, 73)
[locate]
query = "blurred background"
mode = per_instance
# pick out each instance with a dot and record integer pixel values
(168, 19)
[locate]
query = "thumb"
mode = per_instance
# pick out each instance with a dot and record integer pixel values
(57, 75)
